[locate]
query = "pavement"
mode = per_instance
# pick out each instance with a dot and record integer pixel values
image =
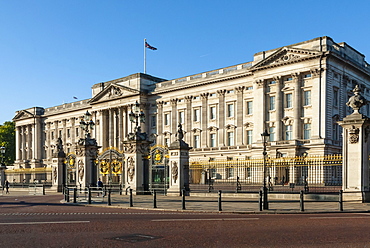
(208, 203)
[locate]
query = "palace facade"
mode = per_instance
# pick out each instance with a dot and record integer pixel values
(297, 93)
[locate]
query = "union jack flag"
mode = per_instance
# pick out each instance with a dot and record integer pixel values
(149, 46)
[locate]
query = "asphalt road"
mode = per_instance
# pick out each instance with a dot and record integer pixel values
(42, 221)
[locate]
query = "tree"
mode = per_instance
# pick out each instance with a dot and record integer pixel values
(7, 139)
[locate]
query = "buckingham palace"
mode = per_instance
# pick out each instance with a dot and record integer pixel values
(297, 93)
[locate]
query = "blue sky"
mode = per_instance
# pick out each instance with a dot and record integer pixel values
(53, 50)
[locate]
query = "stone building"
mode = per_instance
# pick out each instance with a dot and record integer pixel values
(297, 93)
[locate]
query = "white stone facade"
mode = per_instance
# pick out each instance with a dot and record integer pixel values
(297, 92)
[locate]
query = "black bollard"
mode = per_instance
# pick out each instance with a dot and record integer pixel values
(260, 200)
(183, 199)
(109, 198)
(120, 189)
(301, 200)
(219, 200)
(340, 200)
(89, 195)
(131, 203)
(154, 199)
(67, 195)
(74, 195)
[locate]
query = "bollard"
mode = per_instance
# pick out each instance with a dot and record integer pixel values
(219, 200)
(109, 198)
(341, 200)
(301, 200)
(63, 188)
(67, 194)
(89, 195)
(260, 200)
(43, 189)
(183, 199)
(154, 199)
(74, 195)
(120, 189)
(131, 203)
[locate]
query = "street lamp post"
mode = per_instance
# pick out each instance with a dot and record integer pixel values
(87, 124)
(265, 135)
(136, 116)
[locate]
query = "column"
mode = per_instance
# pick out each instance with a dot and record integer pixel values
(174, 121)
(29, 142)
(188, 122)
(279, 106)
(259, 117)
(297, 108)
(221, 117)
(111, 127)
(120, 128)
(160, 121)
(239, 115)
(204, 120)
(18, 143)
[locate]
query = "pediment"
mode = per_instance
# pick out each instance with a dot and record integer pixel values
(285, 56)
(23, 114)
(114, 91)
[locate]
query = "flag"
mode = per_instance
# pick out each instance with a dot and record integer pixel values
(149, 46)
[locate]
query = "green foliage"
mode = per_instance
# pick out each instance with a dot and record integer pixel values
(7, 139)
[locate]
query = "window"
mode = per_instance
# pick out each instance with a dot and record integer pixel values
(153, 121)
(212, 95)
(196, 116)
(289, 79)
(307, 98)
(230, 110)
(77, 132)
(288, 100)
(212, 140)
(212, 112)
(272, 133)
(52, 135)
(307, 75)
(288, 132)
(60, 134)
(335, 98)
(335, 131)
(307, 131)
(167, 142)
(250, 88)
(272, 82)
(272, 103)
(166, 119)
(230, 172)
(230, 91)
(181, 117)
(249, 137)
(196, 141)
(196, 98)
(249, 108)
(230, 138)
(68, 133)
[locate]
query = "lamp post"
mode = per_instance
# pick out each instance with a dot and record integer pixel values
(136, 116)
(265, 135)
(87, 124)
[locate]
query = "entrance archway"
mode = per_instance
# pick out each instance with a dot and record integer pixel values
(110, 166)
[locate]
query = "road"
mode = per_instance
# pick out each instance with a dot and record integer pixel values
(42, 221)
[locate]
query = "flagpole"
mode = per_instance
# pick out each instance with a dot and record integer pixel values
(144, 56)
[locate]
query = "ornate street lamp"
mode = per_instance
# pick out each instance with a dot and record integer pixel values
(265, 136)
(137, 116)
(87, 124)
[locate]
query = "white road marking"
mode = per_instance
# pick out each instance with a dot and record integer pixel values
(48, 222)
(233, 219)
(346, 217)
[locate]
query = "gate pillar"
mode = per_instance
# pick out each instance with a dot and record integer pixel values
(137, 166)
(178, 165)
(86, 153)
(57, 167)
(356, 129)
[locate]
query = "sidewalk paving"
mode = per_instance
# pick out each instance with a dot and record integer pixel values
(208, 203)
(228, 205)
